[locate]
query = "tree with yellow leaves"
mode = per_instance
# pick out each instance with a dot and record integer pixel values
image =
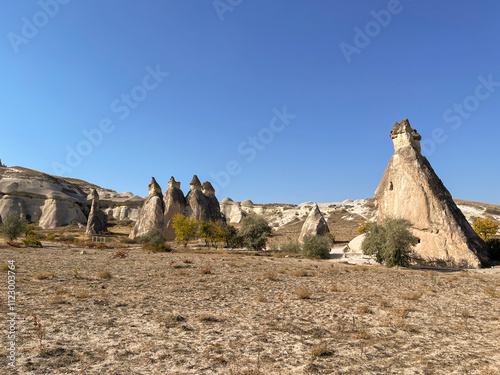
(485, 228)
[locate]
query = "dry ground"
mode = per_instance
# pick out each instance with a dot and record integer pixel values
(234, 313)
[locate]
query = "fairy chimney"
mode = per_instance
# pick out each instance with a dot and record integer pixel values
(410, 189)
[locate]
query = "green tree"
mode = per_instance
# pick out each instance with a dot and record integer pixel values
(186, 228)
(255, 231)
(13, 226)
(316, 246)
(391, 242)
(231, 237)
(485, 228)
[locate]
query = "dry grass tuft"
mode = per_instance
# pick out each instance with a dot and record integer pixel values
(261, 298)
(104, 274)
(272, 275)
(364, 309)
(492, 292)
(402, 312)
(303, 293)
(57, 300)
(411, 296)
(44, 275)
(82, 293)
(205, 270)
(320, 350)
(207, 317)
(300, 272)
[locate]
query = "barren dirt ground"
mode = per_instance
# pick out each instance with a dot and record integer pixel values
(219, 312)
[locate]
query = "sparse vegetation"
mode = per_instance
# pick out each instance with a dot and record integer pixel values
(303, 293)
(340, 318)
(291, 247)
(364, 226)
(13, 226)
(104, 274)
(391, 242)
(154, 241)
(316, 247)
(255, 232)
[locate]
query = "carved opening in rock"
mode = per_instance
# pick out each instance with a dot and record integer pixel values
(391, 186)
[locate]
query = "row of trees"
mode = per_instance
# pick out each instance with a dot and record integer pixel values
(253, 233)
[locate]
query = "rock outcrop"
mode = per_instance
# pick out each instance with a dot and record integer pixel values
(96, 223)
(51, 201)
(213, 212)
(199, 203)
(152, 213)
(175, 203)
(232, 211)
(202, 203)
(410, 189)
(315, 224)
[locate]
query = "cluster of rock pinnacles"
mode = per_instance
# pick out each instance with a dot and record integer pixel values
(409, 189)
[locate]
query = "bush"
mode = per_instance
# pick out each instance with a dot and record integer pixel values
(255, 231)
(153, 237)
(316, 247)
(154, 241)
(292, 247)
(391, 242)
(32, 241)
(13, 226)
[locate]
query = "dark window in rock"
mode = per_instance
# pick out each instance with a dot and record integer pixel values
(391, 186)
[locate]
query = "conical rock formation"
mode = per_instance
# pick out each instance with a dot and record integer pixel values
(202, 203)
(410, 189)
(315, 224)
(152, 213)
(97, 219)
(175, 203)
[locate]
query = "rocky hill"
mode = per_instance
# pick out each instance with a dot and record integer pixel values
(54, 201)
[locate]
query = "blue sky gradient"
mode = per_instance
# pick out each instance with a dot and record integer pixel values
(231, 69)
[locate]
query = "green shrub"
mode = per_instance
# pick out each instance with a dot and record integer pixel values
(292, 247)
(391, 242)
(255, 231)
(13, 226)
(32, 241)
(316, 247)
(153, 237)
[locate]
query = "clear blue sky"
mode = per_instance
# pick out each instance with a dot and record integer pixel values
(230, 70)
